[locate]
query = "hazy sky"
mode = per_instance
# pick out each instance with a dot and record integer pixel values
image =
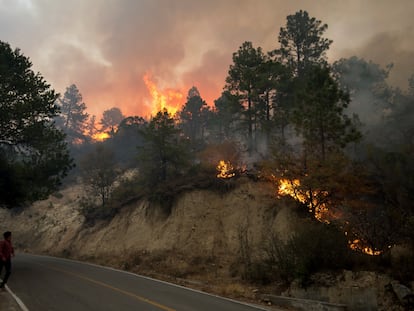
(106, 47)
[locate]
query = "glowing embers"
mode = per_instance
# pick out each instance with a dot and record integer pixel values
(168, 99)
(312, 199)
(100, 136)
(225, 170)
(358, 245)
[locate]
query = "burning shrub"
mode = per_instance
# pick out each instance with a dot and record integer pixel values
(225, 169)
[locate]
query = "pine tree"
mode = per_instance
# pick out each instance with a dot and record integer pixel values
(33, 154)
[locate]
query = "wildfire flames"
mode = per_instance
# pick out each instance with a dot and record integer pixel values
(166, 99)
(100, 136)
(357, 245)
(225, 169)
(292, 188)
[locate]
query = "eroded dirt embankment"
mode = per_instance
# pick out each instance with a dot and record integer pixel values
(196, 245)
(201, 223)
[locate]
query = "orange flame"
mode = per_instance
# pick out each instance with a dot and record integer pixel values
(292, 188)
(225, 169)
(166, 99)
(100, 136)
(358, 245)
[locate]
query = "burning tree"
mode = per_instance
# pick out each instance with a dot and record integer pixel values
(321, 188)
(342, 192)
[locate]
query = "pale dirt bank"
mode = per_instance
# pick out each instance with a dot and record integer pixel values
(195, 246)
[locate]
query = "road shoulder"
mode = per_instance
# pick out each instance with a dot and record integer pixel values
(7, 302)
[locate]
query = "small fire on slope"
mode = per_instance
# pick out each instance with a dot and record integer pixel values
(225, 170)
(310, 198)
(321, 211)
(358, 245)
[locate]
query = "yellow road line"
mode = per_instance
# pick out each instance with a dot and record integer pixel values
(137, 297)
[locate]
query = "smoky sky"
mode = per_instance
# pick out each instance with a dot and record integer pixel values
(105, 47)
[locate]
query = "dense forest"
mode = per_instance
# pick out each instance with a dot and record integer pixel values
(335, 137)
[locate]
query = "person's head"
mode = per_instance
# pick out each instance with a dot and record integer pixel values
(7, 235)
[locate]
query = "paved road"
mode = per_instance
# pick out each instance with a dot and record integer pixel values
(48, 283)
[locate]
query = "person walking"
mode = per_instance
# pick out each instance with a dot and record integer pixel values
(6, 252)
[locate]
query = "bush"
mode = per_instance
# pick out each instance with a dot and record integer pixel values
(93, 212)
(314, 247)
(126, 191)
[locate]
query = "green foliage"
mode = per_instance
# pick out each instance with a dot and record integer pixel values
(319, 114)
(73, 117)
(193, 117)
(34, 157)
(99, 172)
(164, 155)
(198, 177)
(333, 182)
(226, 115)
(164, 194)
(302, 43)
(314, 247)
(243, 81)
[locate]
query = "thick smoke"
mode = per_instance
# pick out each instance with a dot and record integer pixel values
(105, 47)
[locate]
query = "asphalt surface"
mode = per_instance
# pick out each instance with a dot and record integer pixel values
(48, 283)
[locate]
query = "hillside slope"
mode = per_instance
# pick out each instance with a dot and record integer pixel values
(202, 222)
(197, 245)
